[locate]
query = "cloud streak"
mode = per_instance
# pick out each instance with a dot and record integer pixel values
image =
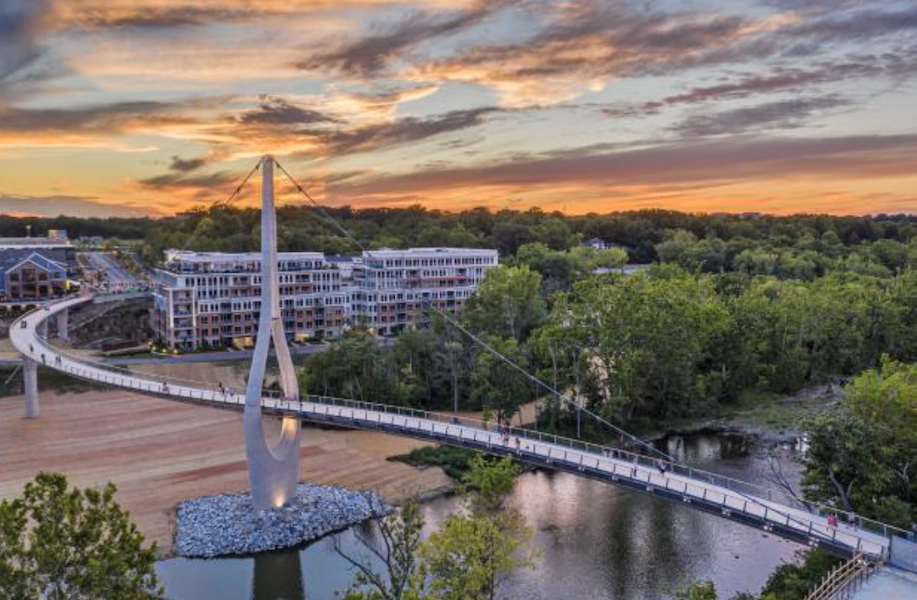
(780, 114)
(738, 158)
(369, 55)
(75, 206)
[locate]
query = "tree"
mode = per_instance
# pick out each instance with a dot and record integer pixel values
(794, 581)
(468, 558)
(496, 385)
(396, 548)
(508, 303)
(646, 339)
(353, 367)
(699, 590)
(473, 553)
(487, 483)
(453, 354)
(471, 556)
(863, 457)
(842, 460)
(65, 543)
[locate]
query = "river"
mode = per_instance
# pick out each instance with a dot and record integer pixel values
(594, 541)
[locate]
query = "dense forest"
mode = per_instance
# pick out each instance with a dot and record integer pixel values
(801, 246)
(666, 343)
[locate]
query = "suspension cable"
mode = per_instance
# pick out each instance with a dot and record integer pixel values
(232, 196)
(225, 203)
(520, 369)
(482, 343)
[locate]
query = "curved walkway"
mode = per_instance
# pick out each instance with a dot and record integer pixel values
(729, 498)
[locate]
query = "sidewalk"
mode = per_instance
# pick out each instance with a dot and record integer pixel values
(889, 584)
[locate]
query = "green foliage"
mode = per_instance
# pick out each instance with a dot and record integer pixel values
(640, 343)
(508, 303)
(699, 590)
(427, 368)
(454, 461)
(398, 551)
(795, 581)
(560, 269)
(863, 457)
(496, 388)
(667, 344)
(72, 544)
(466, 559)
(353, 367)
(470, 556)
(790, 581)
(487, 483)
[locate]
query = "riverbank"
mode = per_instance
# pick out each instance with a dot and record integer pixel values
(160, 453)
(766, 417)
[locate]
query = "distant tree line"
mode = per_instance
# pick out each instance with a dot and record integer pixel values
(712, 242)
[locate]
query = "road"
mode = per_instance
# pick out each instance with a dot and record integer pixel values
(114, 273)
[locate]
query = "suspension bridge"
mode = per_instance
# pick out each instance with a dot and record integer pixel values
(273, 469)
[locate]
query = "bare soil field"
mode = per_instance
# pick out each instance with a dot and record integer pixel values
(160, 452)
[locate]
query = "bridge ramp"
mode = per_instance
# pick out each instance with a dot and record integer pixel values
(888, 584)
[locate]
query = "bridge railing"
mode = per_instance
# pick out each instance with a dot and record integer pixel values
(416, 422)
(731, 483)
(843, 580)
(207, 391)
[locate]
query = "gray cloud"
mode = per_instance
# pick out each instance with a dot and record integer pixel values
(74, 206)
(736, 158)
(182, 180)
(781, 114)
(186, 166)
(277, 111)
(99, 118)
(782, 79)
(856, 24)
(402, 131)
(160, 17)
(21, 22)
(369, 55)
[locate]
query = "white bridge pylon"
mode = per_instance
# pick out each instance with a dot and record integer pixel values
(273, 471)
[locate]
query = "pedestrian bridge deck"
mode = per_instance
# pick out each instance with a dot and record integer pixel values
(729, 498)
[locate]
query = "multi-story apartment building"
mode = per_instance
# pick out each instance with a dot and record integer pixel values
(213, 299)
(391, 286)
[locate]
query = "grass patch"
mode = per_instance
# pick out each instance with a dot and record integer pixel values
(453, 461)
(773, 410)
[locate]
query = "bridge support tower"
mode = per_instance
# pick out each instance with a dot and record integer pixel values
(30, 376)
(63, 325)
(273, 470)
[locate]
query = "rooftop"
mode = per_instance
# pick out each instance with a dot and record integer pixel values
(389, 253)
(32, 242)
(234, 257)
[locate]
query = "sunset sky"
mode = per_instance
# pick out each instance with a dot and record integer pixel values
(130, 107)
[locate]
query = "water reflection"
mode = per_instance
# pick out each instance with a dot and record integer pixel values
(278, 576)
(595, 540)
